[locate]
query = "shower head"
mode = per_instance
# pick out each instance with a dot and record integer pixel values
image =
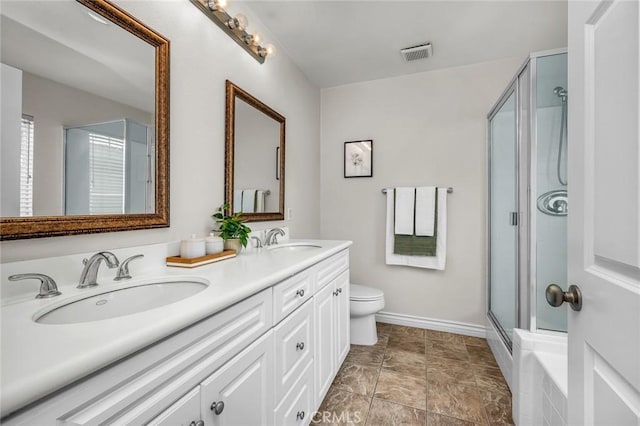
(560, 92)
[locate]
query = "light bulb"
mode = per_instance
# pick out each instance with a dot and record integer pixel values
(270, 50)
(217, 5)
(239, 23)
(256, 38)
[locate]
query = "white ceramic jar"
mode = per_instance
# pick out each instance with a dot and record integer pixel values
(193, 247)
(213, 244)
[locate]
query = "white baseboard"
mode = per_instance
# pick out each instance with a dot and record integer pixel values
(432, 324)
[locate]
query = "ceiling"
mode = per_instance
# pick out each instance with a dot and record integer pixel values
(341, 42)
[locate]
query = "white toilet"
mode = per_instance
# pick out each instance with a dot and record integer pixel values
(364, 303)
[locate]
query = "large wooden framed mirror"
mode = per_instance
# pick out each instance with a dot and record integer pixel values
(254, 157)
(85, 120)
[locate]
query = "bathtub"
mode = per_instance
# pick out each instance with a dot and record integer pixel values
(539, 378)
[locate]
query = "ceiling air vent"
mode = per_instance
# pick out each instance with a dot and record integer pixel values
(414, 53)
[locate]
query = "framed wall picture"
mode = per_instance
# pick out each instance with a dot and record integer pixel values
(358, 159)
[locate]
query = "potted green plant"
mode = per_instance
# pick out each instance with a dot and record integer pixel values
(231, 228)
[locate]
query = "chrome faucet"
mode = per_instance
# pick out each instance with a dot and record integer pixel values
(123, 269)
(272, 236)
(48, 287)
(89, 275)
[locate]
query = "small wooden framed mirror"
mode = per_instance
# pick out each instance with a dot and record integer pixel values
(254, 157)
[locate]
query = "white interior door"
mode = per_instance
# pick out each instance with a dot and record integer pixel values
(604, 219)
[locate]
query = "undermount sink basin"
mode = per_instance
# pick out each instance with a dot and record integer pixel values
(118, 302)
(299, 246)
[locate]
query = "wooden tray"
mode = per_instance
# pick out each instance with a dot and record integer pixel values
(180, 262)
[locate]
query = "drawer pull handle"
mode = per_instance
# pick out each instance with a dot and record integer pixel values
(198, 423)
(300, 415)
(217, 407)
(300, 346)
(300, 293)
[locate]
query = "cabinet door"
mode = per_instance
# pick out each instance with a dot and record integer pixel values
(185, 412)
(343, 343)
(294, 348)
(324, 312)
(241, 391)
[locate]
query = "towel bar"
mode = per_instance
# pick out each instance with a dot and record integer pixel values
(449, 190)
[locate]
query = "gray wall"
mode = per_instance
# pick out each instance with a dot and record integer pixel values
(427, 128)
(54, 106)
(202, 58)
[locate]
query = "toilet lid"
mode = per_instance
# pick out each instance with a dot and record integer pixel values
(361, 292)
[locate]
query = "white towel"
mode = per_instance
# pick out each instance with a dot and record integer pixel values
(237, 200)
(433, 262)
(260, 201)
(425, 210)
(405, 202)
(248, 200)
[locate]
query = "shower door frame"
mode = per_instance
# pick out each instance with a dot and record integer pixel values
(512, 89)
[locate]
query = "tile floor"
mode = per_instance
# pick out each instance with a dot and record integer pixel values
(418, 377)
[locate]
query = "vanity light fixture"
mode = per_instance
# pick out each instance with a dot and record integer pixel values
(235, 27)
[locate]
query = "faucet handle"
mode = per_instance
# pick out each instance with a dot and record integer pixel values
(123, 269)
(258, 241)
(48, 287)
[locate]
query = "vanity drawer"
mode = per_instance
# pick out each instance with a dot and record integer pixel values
(290, 294)
(330, 268)
(297, 407)
(294, 347)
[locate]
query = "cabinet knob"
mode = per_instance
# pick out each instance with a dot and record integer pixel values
(300, 346)
(300, 415)
(340, 290)
(198, 423)
(217, 407)
(300, 293)
(336, 293)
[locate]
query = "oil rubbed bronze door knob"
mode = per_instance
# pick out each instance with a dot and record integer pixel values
(556, 297)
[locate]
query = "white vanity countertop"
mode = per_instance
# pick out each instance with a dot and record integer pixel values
(38, 359)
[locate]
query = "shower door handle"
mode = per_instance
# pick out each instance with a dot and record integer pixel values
(513, 219)
(556, 297)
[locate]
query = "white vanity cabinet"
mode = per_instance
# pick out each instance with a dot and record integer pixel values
(332, 340)
(266, 360)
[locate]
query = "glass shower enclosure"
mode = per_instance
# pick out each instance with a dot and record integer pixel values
(108, 168)
(528, 199)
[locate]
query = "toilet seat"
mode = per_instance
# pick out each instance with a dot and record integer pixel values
(363, 293)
